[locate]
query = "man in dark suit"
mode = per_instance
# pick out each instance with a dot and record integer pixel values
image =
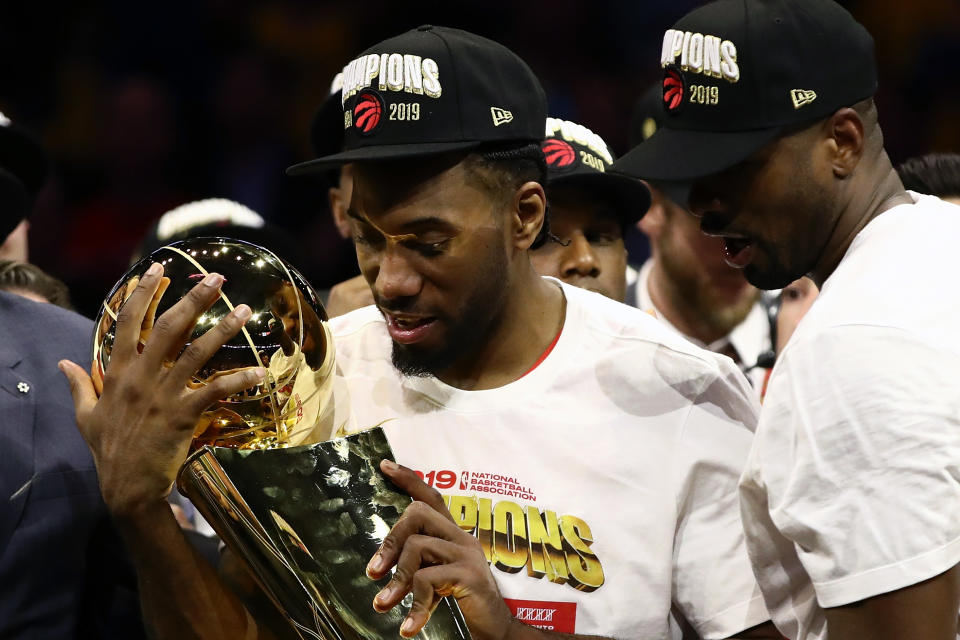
(63, 570)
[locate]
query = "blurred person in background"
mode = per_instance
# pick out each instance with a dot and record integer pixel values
(23, 171)
(686, 282)
(590, 212)
(30, 281)
(64, 571)
(936, 174)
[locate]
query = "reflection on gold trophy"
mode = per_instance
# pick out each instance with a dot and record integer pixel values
(304, 511)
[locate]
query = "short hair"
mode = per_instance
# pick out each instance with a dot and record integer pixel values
(502, 169)
(24, 276)
(935, 174)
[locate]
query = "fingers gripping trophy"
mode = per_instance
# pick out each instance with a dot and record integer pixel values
(304, 511)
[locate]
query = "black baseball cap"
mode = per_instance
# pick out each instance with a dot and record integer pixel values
(647, 115)
(740, 73)
(579, 158)
(23, 172)
(433, 90)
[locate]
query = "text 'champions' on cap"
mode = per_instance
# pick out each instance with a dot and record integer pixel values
(579, 158)
(738, 73)
(433, 90)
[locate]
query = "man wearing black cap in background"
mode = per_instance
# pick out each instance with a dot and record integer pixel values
(686, 281)
(851, 496)
(23, 170)
(590, 212)
(594, 453)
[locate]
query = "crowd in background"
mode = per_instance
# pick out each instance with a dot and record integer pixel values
(143, 108)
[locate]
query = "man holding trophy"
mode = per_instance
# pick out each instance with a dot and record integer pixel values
(574, 464)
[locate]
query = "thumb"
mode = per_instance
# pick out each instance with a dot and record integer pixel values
(81, 386)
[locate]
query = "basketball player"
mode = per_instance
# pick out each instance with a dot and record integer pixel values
(851, 496)
(589, 455)
(590, 211)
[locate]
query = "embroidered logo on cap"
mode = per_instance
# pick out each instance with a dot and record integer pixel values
(559, 154)
(367, 113)
(674, 88)
(801, 97)
(500, 116)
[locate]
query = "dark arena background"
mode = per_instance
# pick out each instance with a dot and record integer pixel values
(144, 106)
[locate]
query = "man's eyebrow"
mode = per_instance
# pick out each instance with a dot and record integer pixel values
(419, 223)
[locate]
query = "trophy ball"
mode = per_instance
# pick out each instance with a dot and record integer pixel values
(287, 334)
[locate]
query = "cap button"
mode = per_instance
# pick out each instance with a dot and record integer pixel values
(425, 27)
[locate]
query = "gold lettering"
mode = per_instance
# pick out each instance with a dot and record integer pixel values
(509, 537)
(412, 74)
(586, 572)
(711, 56)
(485, 527)
(546, 546)
(464, 512)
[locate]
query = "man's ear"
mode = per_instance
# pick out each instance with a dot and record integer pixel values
(529, 209)
(651, 224)
(846, 141)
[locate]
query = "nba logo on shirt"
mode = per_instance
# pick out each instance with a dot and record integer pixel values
(464, 480)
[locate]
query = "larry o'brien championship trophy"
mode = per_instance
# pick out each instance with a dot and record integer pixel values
(305, 512)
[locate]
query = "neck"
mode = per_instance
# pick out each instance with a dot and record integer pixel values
(670, 305)
(532, 316)
(865, 205)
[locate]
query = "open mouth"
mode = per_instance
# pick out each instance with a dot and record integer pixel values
(737, 251)
(409, 329)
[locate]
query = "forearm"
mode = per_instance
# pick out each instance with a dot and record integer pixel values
(181, 594)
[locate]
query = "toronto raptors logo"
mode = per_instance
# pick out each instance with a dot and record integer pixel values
(367, 112)
(673, 90)
(559, 154)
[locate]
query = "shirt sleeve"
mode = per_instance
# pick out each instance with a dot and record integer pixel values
(857, 465)
(713, 585)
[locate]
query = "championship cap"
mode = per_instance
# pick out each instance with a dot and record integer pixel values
(739, 73)
(579, 158)
(433, 90)
(23, 171)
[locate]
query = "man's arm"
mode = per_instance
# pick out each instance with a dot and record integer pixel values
(139, 432)
(925, 610)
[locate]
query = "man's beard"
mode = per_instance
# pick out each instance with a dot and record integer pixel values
(708, 308)
(466, 332)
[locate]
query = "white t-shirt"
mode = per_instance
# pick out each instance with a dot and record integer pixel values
(603, 482)
(749, 339)
(853, 483)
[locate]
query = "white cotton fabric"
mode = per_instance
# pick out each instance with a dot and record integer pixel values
(852, 488)
(626, 427)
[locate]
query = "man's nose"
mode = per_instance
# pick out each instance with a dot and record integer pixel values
(396, 278)
(579, 259)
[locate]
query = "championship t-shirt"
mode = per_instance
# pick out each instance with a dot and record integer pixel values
(602, 485)
(853, 483)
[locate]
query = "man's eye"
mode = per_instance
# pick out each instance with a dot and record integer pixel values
(603, 238)
(429, 249)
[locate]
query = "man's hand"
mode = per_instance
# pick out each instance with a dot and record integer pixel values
(349, 295)
(139, 431)
(436, 558)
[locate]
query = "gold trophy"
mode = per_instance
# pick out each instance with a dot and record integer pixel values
(304, 511)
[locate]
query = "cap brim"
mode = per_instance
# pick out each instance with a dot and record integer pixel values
(678, 155)
(378, 153)
(632, 198)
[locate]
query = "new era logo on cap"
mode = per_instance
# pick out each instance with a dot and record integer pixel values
(801, 97)
(500, 116)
